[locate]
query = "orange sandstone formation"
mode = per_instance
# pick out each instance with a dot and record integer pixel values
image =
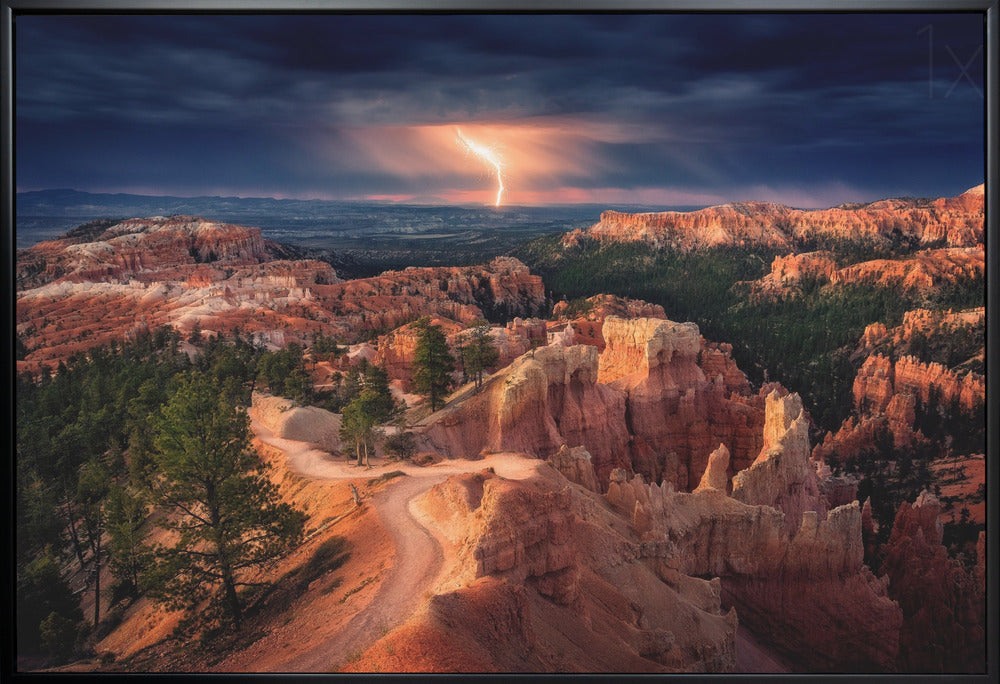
(927, 269)
(958, 221)
(644, 404)
(804, 586)
(586, 328)
(919, 322)
(588, 595)
(782, 476)
(883, 388)
(77, 292)
(678, 411)
(395, 351)
(545, 399)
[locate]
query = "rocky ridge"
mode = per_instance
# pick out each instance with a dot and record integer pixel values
(785, 562)
(579, 578)
(183, 271)
(924, 270)
(956, 221)
(661, 420)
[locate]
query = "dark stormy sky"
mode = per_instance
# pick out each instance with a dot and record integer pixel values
(808, 110)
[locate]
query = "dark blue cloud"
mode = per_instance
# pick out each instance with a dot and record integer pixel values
(874, 102)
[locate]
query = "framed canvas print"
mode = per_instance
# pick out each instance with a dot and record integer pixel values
(454, 338)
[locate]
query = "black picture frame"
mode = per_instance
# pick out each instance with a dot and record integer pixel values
(990, 9)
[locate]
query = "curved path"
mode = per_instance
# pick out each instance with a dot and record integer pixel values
(419, 556)
(417, 562)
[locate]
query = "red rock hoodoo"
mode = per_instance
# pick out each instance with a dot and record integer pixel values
(943, 604)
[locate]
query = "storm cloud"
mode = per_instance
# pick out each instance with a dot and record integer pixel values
(808, 109)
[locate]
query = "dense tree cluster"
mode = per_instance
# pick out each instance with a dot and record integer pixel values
(125, 431)
(283, 373)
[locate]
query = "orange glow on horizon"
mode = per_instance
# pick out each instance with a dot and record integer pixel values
(542, 152)
(557, 160)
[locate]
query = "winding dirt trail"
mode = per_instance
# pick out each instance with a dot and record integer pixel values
(418, 561)
(419, 556)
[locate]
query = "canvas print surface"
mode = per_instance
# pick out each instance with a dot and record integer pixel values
(517, 343)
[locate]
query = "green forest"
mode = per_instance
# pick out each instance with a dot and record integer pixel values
(135, 434)
(805, 340)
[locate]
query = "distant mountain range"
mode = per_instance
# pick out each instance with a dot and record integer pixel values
(46, 214)
(74, 203)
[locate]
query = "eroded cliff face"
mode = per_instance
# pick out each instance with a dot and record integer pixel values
(546, 399)
(925, 270)
(678, 410)
(789, 271)
(803, 585)
(919, 323)
(128, 248)
(886, 396)
(782, 476)
(958, 221)
(586, 327)
(880, 380)
(943, 604)
(79, 292)
(396, 350)
(587, 599)
(644, 403)
(600, 306)
(889, 394)
(627, 562)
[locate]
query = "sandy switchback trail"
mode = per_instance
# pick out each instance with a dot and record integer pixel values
(418, 557)
(417, 562)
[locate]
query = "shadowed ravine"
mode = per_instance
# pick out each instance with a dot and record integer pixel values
(752, 657)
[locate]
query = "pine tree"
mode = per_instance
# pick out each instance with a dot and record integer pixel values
(225, 512)
(92, 491)
(432, 362)
(356, 426)
(373, 406)
(479, 354)
(128, 555)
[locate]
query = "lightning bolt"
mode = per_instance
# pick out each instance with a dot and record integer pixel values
(488, 155)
